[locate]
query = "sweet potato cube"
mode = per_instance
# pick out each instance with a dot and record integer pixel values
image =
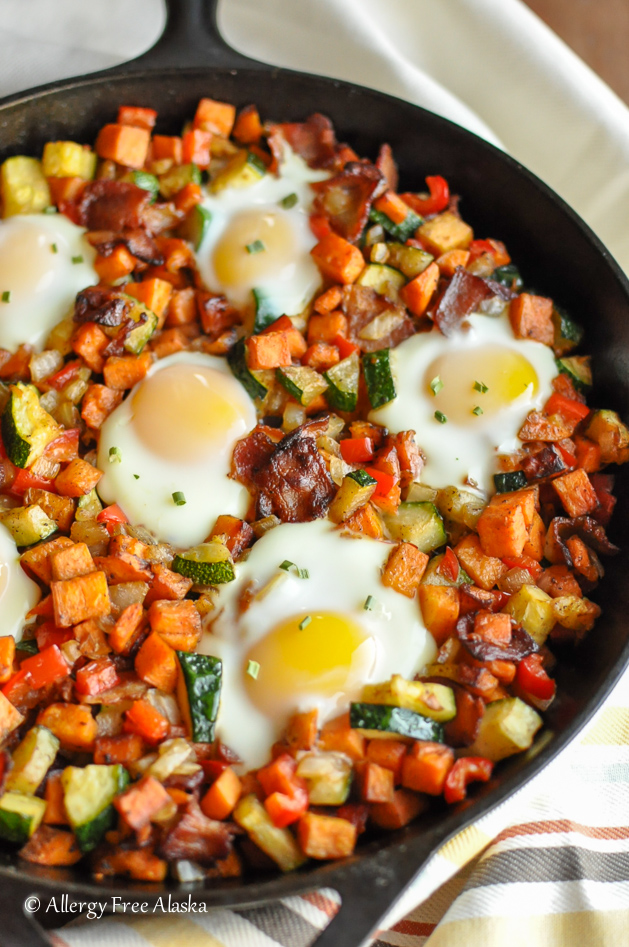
(7, 654)
(337, 735)
(75, 600)
(576, 493)
(55, 813)
(404, 569)
(302, 729)
(268, 351)
(338, 259)
(323, 836)
(124, 371)
(405, 807)
(484, 569)
(38, 560)
(59, 509)
(531, 318)
(78, 479)
(178, 623)
(376, 783)
(420, 290)
(426, 766)
(215, 117)
(98, 403)
(494, 627)
(156, 663)
(389, 754)
(140, 802)
(72, 724)
(124, 144)
(534, 546)
(502, 531)
(89, 341)
(125, 632)
(222, 796)
(440, 610)
(72, 561)
(167, 585)
(10, 717)
(154, 293)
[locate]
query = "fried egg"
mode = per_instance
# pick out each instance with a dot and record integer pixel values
(175, 434)
(254, 241)
(45, 261)
(314, 641)
(466, 397)
(18, 593)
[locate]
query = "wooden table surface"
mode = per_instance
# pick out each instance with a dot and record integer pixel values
(597, 30)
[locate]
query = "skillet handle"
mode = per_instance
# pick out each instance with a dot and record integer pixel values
(191, 38)
(368, 891)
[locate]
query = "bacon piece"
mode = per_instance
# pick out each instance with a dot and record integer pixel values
(100, 304)
(197, 838)
(216, 313)
(313, 140)
(385, 163)
(345, 199)
(112, 205)
(543, 463)
(586, 528)
(519, 647)
(251, 454)
(136, 241)
(463, 295)
(361, 304)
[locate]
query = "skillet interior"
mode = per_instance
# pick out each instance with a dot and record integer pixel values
(557, 255)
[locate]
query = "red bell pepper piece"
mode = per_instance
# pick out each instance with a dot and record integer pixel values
(284, 809)
(356, 450)
(385, 481)
(69, 372)
(478, 248)
(24, 480)
(213, 768)
(566, 408)
(96, 677)
(65, 447)
(569, 459)
(287, 793)
(355, 812)
(345, 347)
(525, 562)
(320, 226)
(111, 516)
(469, 769)
(48, 634)
(433, 204)
(17, 687)
(533, 679)
(449, 565)
(138, 116)
(47, 667)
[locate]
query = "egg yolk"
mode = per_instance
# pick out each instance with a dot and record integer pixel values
(465, 374)
(184, 412)
(256, 245)
(326, 656)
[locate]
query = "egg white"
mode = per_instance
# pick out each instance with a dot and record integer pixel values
(142, 481)
(18, 593)
(456, 453)
(41, 281)
(343, 572)
(290, 289)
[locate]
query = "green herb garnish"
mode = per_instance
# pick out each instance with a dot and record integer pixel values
(289, 201)
(436, 385)
(256, 247)
(289, 566)
(477, 410)
(6, 296)
(77, 259)
(178, 498)
(304, 622)
(115, 455)
(253, 669)
(440, 416)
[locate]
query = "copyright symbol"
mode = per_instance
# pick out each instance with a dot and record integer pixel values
(31, 904)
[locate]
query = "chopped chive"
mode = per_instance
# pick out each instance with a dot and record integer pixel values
(77, 259)
(256, 247)
(289, 566)
(304, 622)
(369, 603)
(477, 410)
(50, 210)
(440, 416)
(6, 296)
(178, 498)
(136, 476)
(115, 455)
(436, 385)
(53, 247)
(253, 669)
(479, 386)
(289, 201)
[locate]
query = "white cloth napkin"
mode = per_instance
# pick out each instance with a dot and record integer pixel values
(489, 65)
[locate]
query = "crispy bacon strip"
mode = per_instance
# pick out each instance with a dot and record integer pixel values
(313, 140)
(136, 241)
(346, 198)
(586, 528)
(112, 205)
(463, 295)
(197, 838)
(100, 304)
(385, 163)
(520, 645)
(543, 463)
(361, 305)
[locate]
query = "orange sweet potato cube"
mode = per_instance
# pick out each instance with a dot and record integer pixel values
(124, 144)
(178, 623)
(338, 259)
(75, 600)
(215, 117)
(440, 607)
(156, 663)
(531, 318)
(484, 569)
(72, 561)
(404, 569)
(420, 290)
(78, 479)
(576, 493)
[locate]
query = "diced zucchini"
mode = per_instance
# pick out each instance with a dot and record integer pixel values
(88, 507)
(250, 381)
(508, 726)
(421, 492)
(417, 523)
(383, 279)
(26, 428)
(20, 816)
(265, 310)
(28, 524)
(401, 231)
(88, 795)
(379, 377)
(279, 844)
(199, 693)
(508, 275)
(411, 261)
(379, 721)
(172, 181)
(24, 186)
(27, 646)
(68, 159)
(196, 225)
(578, 370)
(568, 333)
(611, 435)
(304, 384)
(430, 700)
(459, 506)
(243, 170)
(148, 182)
(446, 232)
(433, 575)
(206, 564)
(32, 759)
(533, 609)
(511, 480)
(342, 379)
(147, 324)
(328, 776)
(356, 490)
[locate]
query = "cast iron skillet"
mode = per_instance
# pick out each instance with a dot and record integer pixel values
(558, 255)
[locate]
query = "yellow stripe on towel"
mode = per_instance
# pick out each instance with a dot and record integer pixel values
(611, 728)
(166, 930)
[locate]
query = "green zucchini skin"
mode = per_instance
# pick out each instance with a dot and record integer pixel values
(378, 377)
(388, 719)
(577, 368)
(362, 478)
(204, 573)
(568, 333)
(508, 275)
(400, 232)
(89, 826)
(200, 688)
(237, 361)
(513, 480)
(20, 815)
(266, 311)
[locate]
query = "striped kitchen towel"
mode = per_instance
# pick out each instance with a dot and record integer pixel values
(547, 868)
